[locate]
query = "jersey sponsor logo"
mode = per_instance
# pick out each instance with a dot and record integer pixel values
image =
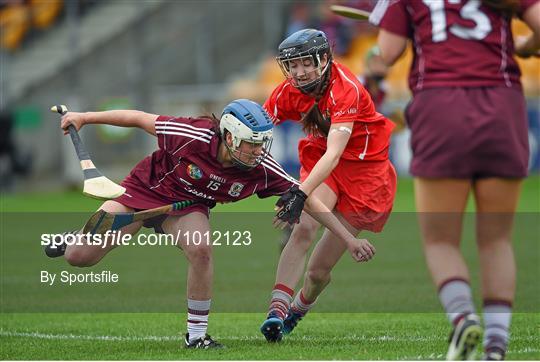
(185, 181)
(198, 193)
(194, 172)
(346, 111)
(218, 178)
(236, 189)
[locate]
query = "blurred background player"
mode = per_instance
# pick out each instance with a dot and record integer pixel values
(344, 162)
(469, 134)
(374, 80)
(202, 159)
(373, 77)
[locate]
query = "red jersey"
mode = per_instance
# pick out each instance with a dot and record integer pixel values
(456, 43)
(345, 100)
(185, 167)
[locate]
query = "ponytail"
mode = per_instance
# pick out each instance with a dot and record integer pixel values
(215, 122)
(313, 122)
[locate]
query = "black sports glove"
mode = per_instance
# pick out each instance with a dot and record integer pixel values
(292, 203)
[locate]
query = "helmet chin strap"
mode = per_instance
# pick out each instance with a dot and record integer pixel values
(242, 166)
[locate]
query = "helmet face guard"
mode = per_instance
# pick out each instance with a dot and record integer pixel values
(247, 160)
(305, 49)
(238, 155)
(247, 122)
(303, 80)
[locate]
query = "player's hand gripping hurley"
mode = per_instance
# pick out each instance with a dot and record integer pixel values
(102, 221)
(95, 184)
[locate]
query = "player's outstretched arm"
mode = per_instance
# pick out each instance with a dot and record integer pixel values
(360, 249)
(529, 46)
(392, 46)
(337, 140)
(120, 118)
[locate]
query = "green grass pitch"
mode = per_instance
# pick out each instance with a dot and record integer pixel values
(386, 309)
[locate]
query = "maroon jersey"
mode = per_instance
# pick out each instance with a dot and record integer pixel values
(185, 167)
(456, 43)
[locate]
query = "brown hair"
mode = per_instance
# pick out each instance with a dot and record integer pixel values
(313, 122)
(506, 7)
(214, 120)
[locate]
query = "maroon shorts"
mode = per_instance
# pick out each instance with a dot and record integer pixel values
(140, 197)
(469, 133)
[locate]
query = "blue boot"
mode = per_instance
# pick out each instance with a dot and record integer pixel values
(272, 328)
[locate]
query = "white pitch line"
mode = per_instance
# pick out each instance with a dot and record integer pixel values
(352, 338)
(89, 337)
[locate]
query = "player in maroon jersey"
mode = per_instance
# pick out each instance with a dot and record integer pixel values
(373, 78)
(344, 161)
(209, 161)
(469, 134)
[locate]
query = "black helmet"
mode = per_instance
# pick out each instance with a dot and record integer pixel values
(306, 43)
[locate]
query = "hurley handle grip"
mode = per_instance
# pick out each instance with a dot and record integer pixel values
(79, 147)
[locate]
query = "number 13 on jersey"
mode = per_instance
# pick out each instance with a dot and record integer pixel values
(470, 11)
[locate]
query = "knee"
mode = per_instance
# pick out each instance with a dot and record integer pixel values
(493, 244)
(318, 276)
(200, 257)
(441, 243)
(79, 257)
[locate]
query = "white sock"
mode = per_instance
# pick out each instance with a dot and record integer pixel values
(301, 305)
(281, 301)
(197, 321)
(456, 297)
(497, 316)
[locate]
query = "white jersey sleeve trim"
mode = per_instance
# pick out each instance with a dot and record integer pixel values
(179, 124)
(185, 135)
(161, 129)
(354, 85)
(279, 172)
(275, 119)
(378, 12)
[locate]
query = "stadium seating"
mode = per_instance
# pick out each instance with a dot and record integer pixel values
(14, 25)
(19, 19)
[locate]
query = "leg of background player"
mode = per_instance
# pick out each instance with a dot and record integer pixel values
(440, 204)
(496, 201)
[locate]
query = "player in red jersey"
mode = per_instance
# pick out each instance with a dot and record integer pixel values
(469, 134)
(344, 162)
(209, 161)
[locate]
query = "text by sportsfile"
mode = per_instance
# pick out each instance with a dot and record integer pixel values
(117, 238)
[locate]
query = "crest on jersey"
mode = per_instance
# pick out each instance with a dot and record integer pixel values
(194, 172)
(236, 189)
